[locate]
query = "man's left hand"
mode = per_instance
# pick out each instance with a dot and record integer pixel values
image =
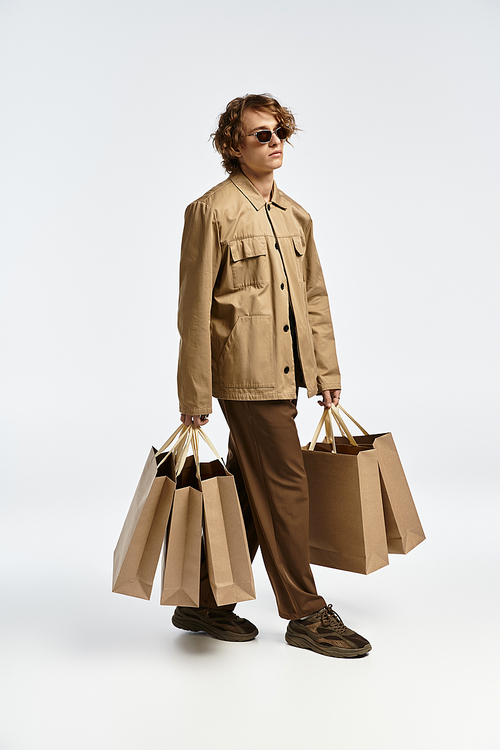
(330, 398)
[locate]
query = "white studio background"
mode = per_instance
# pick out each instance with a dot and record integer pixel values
(107, 108)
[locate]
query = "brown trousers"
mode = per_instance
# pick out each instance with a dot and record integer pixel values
(266, 460)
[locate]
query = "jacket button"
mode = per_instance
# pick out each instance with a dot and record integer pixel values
(282, 286)
(286, 329)
(286, 370)
(276, 246)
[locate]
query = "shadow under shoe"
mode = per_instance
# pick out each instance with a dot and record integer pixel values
(325, 633)
(219, 623)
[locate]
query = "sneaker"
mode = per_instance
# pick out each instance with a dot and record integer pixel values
(325, 633)
(219, 623)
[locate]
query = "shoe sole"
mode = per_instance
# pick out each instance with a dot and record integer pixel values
(185, 622)
(342, 653)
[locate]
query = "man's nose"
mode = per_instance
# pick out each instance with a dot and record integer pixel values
(275, 141)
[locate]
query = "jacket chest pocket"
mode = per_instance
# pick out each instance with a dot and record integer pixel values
(298, 244)
(248, 261)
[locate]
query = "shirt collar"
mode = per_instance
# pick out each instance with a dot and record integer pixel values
(252, 194)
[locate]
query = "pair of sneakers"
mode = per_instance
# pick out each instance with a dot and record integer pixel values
(322, 632)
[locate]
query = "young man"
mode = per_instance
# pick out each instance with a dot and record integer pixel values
(255, 325)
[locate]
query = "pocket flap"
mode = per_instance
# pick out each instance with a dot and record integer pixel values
(251, 247)
(298, 244)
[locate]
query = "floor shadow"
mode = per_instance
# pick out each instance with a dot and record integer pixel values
(197, 644)
(201, 644)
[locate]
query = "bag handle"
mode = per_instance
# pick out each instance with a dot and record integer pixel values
(342, 425)
(181, 428)
(353, 420)
(326, 420)
(180, 457)
(330, 437)
(210, 445)
(191, 438)
(194, 445)
(182, 431)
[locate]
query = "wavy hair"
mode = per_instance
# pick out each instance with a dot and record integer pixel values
(229, 135)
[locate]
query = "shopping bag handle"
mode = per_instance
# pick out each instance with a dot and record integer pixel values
(329, 430)
(180, 457)
(194, 445)
(333, 413)
(353, 420)
(210, 445)
(181, 429)
(182, 432)
(326, 420)
(342, 425)
(194, 442)
(192, 439)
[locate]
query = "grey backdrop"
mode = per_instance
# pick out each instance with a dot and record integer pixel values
(107, 109)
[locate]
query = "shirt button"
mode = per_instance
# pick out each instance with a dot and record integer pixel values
(276, 246)
(286, 329)
(286, 370)
(282, 286)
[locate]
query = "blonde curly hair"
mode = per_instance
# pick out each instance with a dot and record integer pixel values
(229, 135)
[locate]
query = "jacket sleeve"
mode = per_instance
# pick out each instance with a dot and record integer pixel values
(320, 322)
(199, 266)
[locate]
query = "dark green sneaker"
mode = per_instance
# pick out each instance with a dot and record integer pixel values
(219, 623)
(325, 633)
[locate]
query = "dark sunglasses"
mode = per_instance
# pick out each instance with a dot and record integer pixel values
(264, 136)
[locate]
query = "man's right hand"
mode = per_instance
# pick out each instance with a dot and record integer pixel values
(196, 420)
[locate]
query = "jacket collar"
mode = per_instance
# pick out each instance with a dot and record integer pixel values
(252, 194)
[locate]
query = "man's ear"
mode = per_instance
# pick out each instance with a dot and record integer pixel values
(237, 151)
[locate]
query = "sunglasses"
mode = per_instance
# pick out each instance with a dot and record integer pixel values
(264, 136)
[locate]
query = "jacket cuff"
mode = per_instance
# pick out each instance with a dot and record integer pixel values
(194, 410)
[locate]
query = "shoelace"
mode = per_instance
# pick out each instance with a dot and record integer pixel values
(222, 614)
(329, 618)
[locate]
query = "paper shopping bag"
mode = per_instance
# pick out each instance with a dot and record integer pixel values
(206, 490)
(346, 517)
(403, 528)
(182, 552)
(226, 547)
(139, 546)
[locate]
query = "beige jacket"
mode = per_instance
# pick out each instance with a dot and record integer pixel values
(244, 262)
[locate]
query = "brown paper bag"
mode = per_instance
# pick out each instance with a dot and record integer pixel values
(210, 487)
(403, 528)
(228, 558)
(182, 552)
(346, 518)
(138, 549)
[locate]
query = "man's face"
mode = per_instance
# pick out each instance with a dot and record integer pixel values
(260, 158)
